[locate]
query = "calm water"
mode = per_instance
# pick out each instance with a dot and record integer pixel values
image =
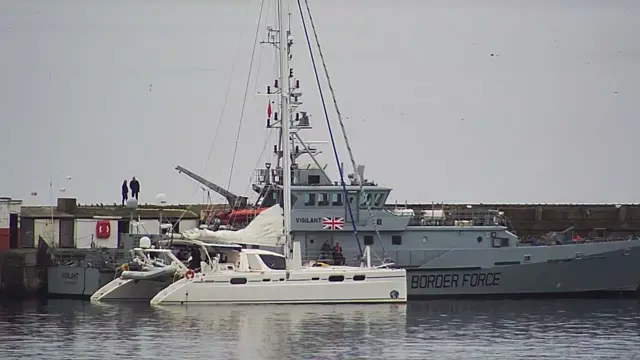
(449, 330)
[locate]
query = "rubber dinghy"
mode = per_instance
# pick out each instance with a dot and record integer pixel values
(155, 273)
(145, 276)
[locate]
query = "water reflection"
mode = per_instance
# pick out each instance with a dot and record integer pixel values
(297, 332)
(579, 329)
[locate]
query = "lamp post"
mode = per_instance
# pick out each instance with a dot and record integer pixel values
(52, 204)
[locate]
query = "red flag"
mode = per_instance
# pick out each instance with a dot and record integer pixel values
(269, 110)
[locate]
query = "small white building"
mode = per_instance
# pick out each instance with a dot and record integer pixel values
(9, 224)
(69, 225)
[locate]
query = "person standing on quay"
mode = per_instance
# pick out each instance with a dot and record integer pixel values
(135, 187)
(125, 193)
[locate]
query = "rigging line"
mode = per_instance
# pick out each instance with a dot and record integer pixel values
(326, 115)
(224, 104)
(264, 147)
(226, 97)
(233, 206)
(333, 94)
(344, 131)
(246, 92)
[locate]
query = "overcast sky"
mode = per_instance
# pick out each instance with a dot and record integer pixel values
(104, 90)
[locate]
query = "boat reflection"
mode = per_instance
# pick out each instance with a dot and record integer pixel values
(317, 331)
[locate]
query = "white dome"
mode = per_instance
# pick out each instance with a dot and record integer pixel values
(145, 242)
(161, 199)
(132, 203)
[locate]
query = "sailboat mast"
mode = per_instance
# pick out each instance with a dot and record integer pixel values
(285, 121)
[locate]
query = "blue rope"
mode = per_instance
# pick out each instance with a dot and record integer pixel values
(326, 116)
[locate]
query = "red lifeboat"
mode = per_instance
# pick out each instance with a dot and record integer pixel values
(240, 215)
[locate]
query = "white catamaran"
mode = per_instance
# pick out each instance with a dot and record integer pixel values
(258, 276)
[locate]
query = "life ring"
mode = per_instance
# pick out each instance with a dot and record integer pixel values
(124, 267)
(190, 274)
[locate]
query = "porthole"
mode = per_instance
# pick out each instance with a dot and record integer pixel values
(479, 239)
(424, 239)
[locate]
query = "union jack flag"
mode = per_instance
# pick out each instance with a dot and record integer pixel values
(332, 223)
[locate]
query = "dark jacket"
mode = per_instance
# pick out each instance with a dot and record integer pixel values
(135, 186)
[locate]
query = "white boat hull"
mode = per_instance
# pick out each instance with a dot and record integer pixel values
(130, 290)
(307, 286)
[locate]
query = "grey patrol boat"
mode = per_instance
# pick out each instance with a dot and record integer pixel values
(446, 253)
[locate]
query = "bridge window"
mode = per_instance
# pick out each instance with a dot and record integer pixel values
(396, 240)
(274, 262)
(368, 240)
(352, 197)
(238, 281)
(336, 278)
(310, 199)
(365, 199)
(336, 199)
(379, 200)
(314, 179)
(323, 199)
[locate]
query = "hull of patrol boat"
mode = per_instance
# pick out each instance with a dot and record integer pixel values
(610, 273)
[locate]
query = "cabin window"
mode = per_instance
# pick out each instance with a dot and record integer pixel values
(310, 199)
(352, 197)
(314, 179)
(238, 281)
(396, 240)
(323, 199)
(379, 200)
(368, 240)
(365, 199)
(336, 199)
(274, 262)
(358, 278)
(336, 278)
(504, 242)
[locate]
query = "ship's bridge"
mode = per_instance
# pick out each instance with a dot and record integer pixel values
(314, 187)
